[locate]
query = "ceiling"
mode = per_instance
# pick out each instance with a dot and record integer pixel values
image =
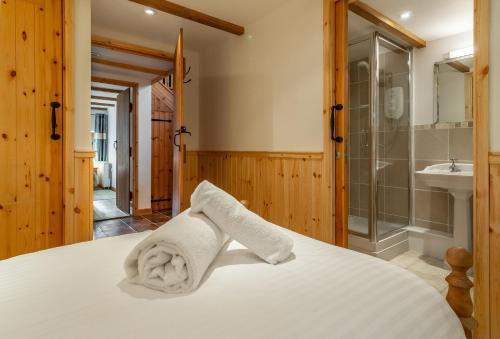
(430, 19)
(129, 18)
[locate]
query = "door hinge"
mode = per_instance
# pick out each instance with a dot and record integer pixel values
(131, 195)
(130, 151)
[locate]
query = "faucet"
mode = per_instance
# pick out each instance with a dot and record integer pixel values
(453, 166)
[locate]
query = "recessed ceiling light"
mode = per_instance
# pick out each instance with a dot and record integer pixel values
(405, 15)
(149, 11)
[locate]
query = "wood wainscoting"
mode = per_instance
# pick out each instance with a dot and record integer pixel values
(284, 188)
(83, 195)
(495, 244)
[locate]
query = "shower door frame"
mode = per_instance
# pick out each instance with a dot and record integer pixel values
(373, 234)
(374, 38)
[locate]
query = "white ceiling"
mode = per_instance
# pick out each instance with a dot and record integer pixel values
(431, 19)
(129, 17)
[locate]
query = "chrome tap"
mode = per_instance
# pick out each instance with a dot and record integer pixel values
(453, 166)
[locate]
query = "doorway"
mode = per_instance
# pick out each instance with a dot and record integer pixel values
(112, 130)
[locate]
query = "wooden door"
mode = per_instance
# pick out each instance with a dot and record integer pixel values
(31, 207)
(123, 151)
(162, 102)
(339, 16)
(180, 149)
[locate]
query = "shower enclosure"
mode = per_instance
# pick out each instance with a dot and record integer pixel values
(379, 138)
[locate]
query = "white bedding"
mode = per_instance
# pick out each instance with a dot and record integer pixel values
(79, 291)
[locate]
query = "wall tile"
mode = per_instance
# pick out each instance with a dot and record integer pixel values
(432, 225)
(461, 144)
(354, 170)
(397, 174)
(397, 201)
(431, 144)
(396, 145)
(354, 196)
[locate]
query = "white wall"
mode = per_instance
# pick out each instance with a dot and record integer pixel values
(423, 70)
(495, 76)
(82, 74)
(263, 91)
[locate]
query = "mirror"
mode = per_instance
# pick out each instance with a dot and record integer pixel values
(453, 89)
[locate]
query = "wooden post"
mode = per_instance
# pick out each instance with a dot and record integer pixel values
(459, 286)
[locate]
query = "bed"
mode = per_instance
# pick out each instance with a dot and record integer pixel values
(322, 291)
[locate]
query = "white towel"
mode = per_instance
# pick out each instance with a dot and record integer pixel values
(258, 235)
(174, 257)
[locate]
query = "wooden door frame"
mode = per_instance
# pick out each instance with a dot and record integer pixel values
(135, 141)
(481, 141)
(335, 16)
(481, 203)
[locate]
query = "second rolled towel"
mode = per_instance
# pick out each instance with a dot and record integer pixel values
(258, 235)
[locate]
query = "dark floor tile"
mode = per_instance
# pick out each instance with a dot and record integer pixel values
(98, 233)
(107, 223)
(143, 225)
(157, 218)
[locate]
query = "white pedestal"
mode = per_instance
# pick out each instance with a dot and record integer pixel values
(462, 221)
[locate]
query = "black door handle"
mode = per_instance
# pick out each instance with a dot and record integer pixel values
(178, 132)
(54, 135)
(333, 110)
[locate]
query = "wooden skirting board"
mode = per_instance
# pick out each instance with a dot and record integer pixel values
(282, 187)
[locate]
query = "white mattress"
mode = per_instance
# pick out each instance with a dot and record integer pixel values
(79, 291)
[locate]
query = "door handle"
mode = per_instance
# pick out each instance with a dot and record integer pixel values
(333, 110)
(178, 132)
(54, 135)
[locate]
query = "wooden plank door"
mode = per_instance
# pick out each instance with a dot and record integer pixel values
(180, 149)
(162, 101)
(123, 151)
(339, 16)
(31, 206)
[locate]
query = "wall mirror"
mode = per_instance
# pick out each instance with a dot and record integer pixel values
(453, 89)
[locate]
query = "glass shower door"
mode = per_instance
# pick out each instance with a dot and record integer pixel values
(391, 122)
(358, 147)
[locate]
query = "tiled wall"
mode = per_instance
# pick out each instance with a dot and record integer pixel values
(433, 145)
(359, 99)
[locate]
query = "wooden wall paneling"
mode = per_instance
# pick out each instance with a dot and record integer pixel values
(481, 213)
(281, 187)
(495, 245)
(8, 88)
(84, 192)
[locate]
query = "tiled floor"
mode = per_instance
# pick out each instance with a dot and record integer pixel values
(432, 270)
(113, 227)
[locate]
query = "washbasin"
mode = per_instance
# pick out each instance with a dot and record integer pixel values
(441, 176)
(459, 184)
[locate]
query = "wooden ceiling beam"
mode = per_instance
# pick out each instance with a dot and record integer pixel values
(371, 14)
(193, 15)
(102, 104)
(459, 66)
(107, 90)
(130, 67)
(98, 97)
(121, 46)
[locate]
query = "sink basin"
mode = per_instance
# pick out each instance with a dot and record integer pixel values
(459, 185)
(441, 176)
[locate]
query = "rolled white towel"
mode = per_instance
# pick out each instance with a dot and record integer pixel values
(175, 257)
(258, 235)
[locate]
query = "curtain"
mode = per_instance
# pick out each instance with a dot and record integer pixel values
(101, 137)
